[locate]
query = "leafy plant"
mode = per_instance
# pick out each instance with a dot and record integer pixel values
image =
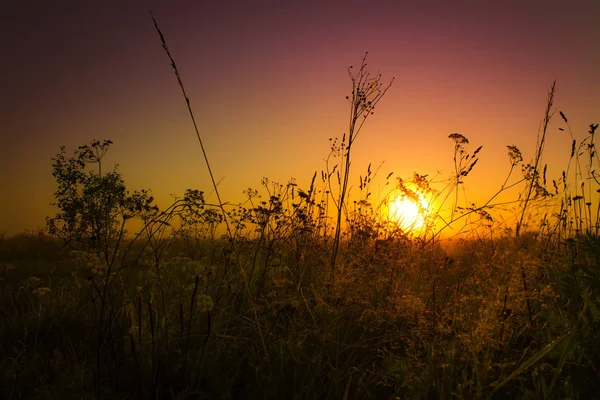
(94, 207)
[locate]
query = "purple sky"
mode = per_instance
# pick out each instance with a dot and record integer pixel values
(268, 80)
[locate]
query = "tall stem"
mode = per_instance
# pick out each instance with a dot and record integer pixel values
(366, 93)
(187, 101)
(538, 156)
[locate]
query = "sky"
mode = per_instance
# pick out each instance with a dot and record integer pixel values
(267, 82)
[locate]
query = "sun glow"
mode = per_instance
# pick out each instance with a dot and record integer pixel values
(409, 213)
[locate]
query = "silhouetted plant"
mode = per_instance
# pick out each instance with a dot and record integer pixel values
(532, 171)
(367, 91)
(576, 214)
(189, 107)
(94, 208)
(94, 212)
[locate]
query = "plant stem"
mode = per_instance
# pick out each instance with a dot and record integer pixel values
(187, 101)
(538, 156)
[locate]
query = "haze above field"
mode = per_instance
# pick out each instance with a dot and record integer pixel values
(267, 82)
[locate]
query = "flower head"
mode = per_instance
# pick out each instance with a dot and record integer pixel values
(458, 138)
(39, 292)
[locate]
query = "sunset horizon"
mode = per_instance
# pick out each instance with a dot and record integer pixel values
(268, 90)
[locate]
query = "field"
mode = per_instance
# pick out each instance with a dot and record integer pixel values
(309, 293)
(261, 318)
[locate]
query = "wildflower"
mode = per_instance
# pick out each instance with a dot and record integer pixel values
(458, 138)
(205, 303)
(34, 280)
(39, 292)
(515, 155)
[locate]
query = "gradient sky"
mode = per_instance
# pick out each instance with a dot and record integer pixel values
(268, 80)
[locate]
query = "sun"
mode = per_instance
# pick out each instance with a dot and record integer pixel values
(408, 212)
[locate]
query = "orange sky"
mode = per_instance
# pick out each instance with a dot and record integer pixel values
(267, 82)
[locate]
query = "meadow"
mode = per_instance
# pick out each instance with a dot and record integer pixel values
(310, 293)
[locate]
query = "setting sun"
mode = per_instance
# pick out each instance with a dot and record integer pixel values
(407, 212)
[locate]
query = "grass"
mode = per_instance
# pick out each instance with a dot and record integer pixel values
(400, 321)
(291, 303)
